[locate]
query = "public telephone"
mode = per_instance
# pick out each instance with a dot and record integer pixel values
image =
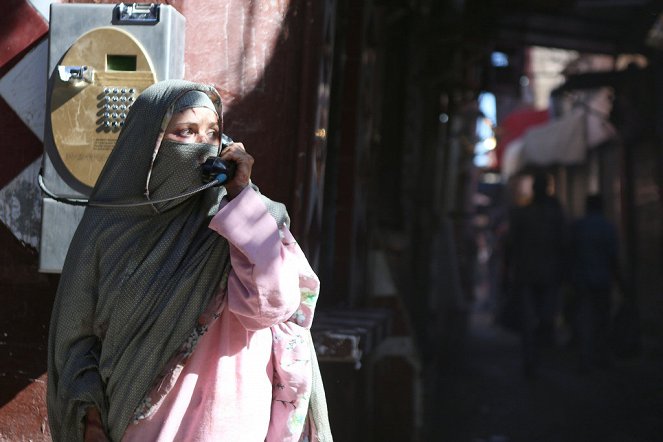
(101, 57)
(93, 88)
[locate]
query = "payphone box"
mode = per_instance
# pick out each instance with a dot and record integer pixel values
(101, 57)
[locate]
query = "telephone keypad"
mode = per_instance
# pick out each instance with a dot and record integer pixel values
(115, 102)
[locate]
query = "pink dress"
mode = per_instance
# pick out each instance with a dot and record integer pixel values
(249, 376)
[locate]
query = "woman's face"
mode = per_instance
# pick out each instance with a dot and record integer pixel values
(194, 125)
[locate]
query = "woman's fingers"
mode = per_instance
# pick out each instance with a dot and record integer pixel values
(237, 153)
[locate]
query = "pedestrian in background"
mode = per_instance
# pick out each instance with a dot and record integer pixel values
(536, 251)
(594, 260)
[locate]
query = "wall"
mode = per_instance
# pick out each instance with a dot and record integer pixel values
(26, 295)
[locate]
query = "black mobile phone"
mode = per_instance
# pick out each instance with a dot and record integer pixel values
(214, 168)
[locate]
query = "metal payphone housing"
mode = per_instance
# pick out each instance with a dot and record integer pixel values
(156, 34)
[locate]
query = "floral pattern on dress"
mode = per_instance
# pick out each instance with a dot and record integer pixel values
(291, 356)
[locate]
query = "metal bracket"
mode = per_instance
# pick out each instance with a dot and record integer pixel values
(136, 14)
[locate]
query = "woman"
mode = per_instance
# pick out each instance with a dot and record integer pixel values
(184, 318)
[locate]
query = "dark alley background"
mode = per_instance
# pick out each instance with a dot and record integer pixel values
(481, 395)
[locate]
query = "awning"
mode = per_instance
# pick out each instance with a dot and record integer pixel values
(514, 126)
(565, 140)
(561, 141)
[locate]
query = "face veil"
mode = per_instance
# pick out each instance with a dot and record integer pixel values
(176, 170)
(176, 166)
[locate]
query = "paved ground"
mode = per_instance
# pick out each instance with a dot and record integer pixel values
(481, 395)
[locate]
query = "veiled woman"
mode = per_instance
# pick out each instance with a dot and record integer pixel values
(188, 318)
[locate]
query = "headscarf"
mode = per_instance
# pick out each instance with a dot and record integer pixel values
(194, 99)
(135, 279)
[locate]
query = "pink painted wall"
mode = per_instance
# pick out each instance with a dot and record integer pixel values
(252, 52)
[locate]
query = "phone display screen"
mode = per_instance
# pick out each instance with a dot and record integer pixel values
(120, 62)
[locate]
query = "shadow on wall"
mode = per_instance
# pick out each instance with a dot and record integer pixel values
(267, 117)
(26, 297)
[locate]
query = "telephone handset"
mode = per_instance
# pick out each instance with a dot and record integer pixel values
(216, 169)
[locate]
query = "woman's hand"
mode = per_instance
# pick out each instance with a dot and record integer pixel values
(94, 429)
(236, 152)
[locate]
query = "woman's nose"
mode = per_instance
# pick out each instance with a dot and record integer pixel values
(203, 138)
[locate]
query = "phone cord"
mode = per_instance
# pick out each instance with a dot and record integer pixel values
(85, 202)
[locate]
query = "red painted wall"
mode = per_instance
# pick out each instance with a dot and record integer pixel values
(25, 295)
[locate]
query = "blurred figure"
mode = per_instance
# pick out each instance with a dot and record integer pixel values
(536, 247)
(594, 269)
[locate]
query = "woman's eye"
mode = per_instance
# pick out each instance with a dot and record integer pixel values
(185, 132)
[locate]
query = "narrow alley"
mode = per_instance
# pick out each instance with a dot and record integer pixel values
(481, 395)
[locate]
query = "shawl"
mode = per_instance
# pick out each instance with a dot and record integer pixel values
(135, 279)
